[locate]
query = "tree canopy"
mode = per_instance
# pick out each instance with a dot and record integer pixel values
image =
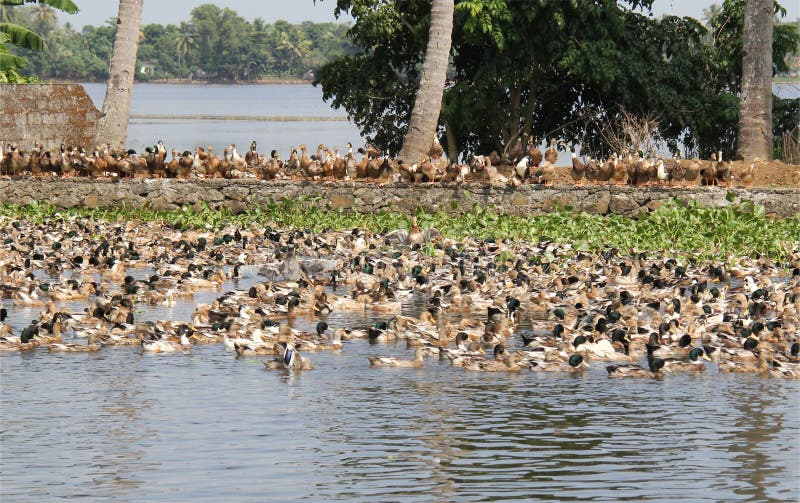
(214, 43)
(14, 33)
(547, 69)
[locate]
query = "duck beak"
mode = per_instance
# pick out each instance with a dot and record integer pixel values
(706, 357)
(584, 365)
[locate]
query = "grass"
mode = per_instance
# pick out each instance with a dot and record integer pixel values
(706, 233)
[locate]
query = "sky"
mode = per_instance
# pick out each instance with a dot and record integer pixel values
(96, 12)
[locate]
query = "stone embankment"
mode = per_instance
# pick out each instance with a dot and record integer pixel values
(48, 114)
(240, 195)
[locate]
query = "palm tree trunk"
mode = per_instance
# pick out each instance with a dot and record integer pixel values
(113, 125)
(428, 103)
(755, 104)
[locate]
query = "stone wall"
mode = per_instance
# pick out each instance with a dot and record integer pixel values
(51, 114)
(239, 195)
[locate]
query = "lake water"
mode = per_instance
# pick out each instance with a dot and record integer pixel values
(151, 102)
(120, 425)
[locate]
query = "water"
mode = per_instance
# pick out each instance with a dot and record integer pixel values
(787, 90)
(241, 101)
(121, 425)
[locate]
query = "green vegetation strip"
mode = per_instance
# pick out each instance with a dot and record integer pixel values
(734, 230)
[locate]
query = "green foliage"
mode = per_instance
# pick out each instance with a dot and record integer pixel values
(546, 69)
(785, 120)
(21, 36)
(377, 85)
(215, 43)
(703, 232)
(67, 6)
(16, 34)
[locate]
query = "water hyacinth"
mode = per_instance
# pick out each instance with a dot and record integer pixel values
(704, 232)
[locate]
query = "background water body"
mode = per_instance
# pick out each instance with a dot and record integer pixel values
(121, 425)
(292, 101)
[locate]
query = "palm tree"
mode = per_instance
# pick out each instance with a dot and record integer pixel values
(710, 12)
(755, 103)
(294, 44)
(113, 125)
(185, 44)
(428, 103)
(44, 18)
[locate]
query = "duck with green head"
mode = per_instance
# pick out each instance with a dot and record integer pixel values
(575, 363)
(693, 364)
(654, 366)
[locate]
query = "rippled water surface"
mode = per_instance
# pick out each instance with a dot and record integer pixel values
(207, 426)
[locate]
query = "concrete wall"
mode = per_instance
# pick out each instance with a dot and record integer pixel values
(51, 114)
(239, 195)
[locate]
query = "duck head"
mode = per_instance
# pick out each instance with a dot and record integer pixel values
(655, 364)
(576, 361)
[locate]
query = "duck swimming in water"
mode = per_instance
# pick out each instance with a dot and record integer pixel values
(575, 363)
(290, 359)
(653, 369)
(389, 361)
(692, 364)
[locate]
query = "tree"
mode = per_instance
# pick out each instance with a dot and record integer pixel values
(113, 124)
(428, 103)
(725, 52)
(755, 103)
(185, 44)
(15, 34)
(588, 62)
(44, 18)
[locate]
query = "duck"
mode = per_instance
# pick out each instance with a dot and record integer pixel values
(73, 348)
(619, 171)
(654, 366)
(708, 174)
(747, 177)
(606, 171)
(692, 171)
(251, 156)
(575, 363)
(551, 154)
(723, 171)
(534, 153)
(677, 171)
(662, 173)
(166, 346)
(508, 363)
(389, 361)
(415, 234)
(578, 169)
(290, 359)
(693, 364)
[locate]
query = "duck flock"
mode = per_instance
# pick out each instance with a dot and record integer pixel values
(485, 305)
(520, 166)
